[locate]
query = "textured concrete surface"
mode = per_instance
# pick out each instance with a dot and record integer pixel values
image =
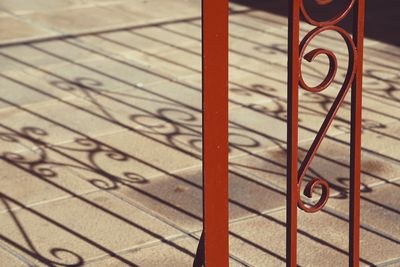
(100, 136)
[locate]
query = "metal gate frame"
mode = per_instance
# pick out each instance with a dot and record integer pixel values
(213, 249)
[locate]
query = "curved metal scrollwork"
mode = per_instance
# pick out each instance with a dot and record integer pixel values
(331, 21)
(323, 26)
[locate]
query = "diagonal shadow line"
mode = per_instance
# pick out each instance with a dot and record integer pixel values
(326, 100)
(35, 255)
(257, 212)
(103, 31)
(276, 34)
(99, 116)
(71, 193)
(386, 207)
(324, 210)
(99, 171)
(94, 101)
(172, 100)
(33, 251)
(336, 140)
(283, 37)
(151, 54)
(346, 102)
(272, 49)
(235, 202)
(116, 215)
(304, 233)
(344, 191)
(188, 36)
(82, 237)
(305, 31)
(314, 112)
(199, 54)
(73, 36)
(19, 226)
(194, 24)
(397, 138)
(270, 252)
(94, 51)
(70, 129)
(51, 182)
(366, 228)
(151, 92)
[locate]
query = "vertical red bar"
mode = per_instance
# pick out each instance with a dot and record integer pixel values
(215, 132)
(356, 124)
(292, 134)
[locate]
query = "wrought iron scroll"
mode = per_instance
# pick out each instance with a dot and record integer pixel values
(297, 52)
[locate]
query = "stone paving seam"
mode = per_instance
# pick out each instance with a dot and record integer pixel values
(130, 26)
(260, 180)
(378, 184)
(43, 103)
(183, 231)
(150, 244)
(16, 255)
(36, 204)
(71, 6)
(272, 30)
(122, 56)
(345, 217)
(31, 22)
(124, 60)
(155, 244)
(391, 262)
(255, 215)
(66, 142)
(61, 36)
(134, 204)
(276, 64)
(368, 151)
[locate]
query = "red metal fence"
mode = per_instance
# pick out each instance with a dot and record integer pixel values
(213, 246)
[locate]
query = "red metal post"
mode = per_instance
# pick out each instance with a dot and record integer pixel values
(356, 120)
(215, 135)
(292, 133)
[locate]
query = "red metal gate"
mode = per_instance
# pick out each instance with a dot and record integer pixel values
(213, 246)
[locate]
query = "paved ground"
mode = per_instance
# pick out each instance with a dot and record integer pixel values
(100, 138)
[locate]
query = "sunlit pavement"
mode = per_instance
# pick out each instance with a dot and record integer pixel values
(100, 138)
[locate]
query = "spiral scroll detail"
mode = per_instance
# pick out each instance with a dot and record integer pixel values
(332, 21)
(327, 81)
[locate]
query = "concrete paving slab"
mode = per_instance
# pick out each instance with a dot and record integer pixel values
(163, 255)
(330, 163)
(20, 29)
(381, 141)
(63, 125)
(22, 89)
(46, 232)
(6, 259)
(183, 196)
(379, 208)
(78, 19)
(32, 179)
(113, 114)
(322, 237)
